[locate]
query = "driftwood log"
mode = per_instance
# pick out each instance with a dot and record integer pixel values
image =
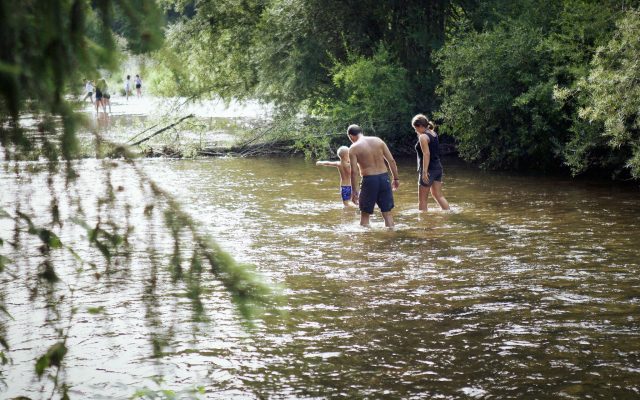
(161, 130)
(284, 147)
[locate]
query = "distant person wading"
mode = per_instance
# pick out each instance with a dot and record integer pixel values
(88, 88)
(106, 97)
(138, 82)
(99, 94)
(344, 169)
(127, 87)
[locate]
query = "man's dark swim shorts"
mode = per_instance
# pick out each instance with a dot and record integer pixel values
(376, 189)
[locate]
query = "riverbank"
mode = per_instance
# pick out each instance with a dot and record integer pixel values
(173, 127)
(177, 128)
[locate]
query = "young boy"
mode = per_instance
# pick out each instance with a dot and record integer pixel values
(344, 168)
(88, 88)
(127, 87)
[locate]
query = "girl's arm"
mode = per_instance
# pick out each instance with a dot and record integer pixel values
(426, 155)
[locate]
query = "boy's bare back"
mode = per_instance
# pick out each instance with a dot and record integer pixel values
(344, 167)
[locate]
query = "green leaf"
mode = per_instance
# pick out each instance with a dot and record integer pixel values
(95, 310)
(93, 234)
(42, 364)
(142, 393)
(4, 343)
(54, 357)
(28, 219)
(4, 214)
(4, 261)
(80, 222)
(114, 238)
(50, 238)
(74, 254)
(57, 352)
(104, 249)
(3, 358)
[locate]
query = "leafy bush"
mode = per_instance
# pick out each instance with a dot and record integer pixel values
(498, 99)
(371, 92)
(612, 92)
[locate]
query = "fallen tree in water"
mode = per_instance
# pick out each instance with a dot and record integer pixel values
(284, 147)
(255, 150)
(283, 135)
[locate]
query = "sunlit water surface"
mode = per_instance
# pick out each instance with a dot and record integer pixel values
(528, 288)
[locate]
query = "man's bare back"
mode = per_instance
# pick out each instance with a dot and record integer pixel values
(369, 153)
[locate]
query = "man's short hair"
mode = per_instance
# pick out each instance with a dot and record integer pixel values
(354, 130)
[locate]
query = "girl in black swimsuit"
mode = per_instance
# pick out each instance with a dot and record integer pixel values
(429, 167)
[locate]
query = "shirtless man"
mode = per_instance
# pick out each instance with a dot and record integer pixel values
(368, 154)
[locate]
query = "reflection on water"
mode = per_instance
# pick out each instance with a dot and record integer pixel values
(529, 288)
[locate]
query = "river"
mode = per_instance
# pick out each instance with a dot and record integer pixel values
(528, 288)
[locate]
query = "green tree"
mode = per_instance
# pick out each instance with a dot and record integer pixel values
(297, 54)
(511, 83)
(610, 112)
(373, 91)
(498, 99)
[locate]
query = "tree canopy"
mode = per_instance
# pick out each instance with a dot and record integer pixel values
(611, 103)
(506, 80)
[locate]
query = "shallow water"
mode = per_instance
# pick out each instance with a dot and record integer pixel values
(528, 288)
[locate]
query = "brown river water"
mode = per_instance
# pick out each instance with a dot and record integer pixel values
(528, 289)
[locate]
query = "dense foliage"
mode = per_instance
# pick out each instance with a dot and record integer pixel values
(497, 100)
(511, 89)
(326, 58)
(611, 104)
(512, 82)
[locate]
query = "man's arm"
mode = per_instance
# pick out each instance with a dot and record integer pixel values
(355, 171)
(392, 165)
